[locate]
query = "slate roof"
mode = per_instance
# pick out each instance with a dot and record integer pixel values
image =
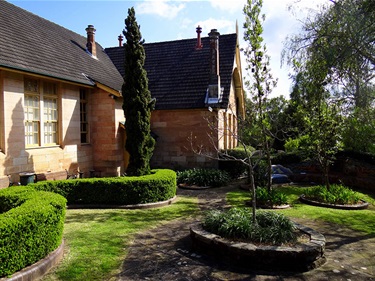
(179, 74)
(33, 44)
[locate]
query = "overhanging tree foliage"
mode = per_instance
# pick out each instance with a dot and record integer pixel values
(340, 38)
(137, 103)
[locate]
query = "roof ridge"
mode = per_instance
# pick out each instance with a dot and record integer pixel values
(177, 40)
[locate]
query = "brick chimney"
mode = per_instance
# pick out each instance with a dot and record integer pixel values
(91, 45)
(214, 56)
(120, 38)
(199, 42)
(214, 90)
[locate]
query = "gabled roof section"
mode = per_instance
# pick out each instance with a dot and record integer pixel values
(179, 74)
(33, 44)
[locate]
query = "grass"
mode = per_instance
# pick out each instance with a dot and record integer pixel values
(97, 239)
(359, 220)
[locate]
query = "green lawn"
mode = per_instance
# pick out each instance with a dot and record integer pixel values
(360, 220)
(97, 240)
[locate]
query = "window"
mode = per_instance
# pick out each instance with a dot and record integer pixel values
(50, 120)
(83, 118)
(41, 107)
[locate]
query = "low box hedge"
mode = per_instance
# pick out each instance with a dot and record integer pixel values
(160, 185)
(31, 226)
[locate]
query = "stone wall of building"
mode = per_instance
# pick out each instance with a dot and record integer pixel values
(106, 134)
(103, 153)
(177, 131)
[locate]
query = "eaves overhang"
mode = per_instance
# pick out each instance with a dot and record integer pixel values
(42, 74)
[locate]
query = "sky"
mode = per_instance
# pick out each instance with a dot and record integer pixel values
(166, 20)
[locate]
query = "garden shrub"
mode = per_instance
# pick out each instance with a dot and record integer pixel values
(360, 156)
(203, 177)
(31, 226)
(336, 194)
(260, 172)
(234, 168)
(156, 187)
(287, 158)
(236, 223)
(270, 197)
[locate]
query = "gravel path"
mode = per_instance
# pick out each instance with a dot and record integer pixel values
(164, 253)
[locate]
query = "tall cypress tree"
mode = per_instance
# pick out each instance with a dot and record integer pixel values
(137, 103)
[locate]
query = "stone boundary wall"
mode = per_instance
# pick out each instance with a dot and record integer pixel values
(351, 172)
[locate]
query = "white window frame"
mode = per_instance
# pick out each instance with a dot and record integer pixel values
(42, 129)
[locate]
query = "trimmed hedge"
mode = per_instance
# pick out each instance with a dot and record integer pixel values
(158, 186)
(31, 226)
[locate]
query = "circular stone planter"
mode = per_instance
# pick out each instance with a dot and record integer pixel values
(360, 206)
(300, 257)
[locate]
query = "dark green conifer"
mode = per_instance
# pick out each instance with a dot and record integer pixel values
(137, 103)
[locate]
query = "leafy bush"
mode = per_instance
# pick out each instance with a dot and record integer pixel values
(287, 158)
(270, 198)
(31, 226)
(361, 156)
(336, 194)
(159, 186)
(233, 167)
(260, 172)
(236, 223)
(203, 177)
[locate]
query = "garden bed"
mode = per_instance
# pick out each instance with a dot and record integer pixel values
(359, 206)
(302, 256)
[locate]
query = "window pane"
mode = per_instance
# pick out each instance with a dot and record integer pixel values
(31, 133)
(31, 115)
(49, 88)
(50, 120)
(31, 85)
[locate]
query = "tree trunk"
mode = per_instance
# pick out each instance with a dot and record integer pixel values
(252, 189)
(269, 167)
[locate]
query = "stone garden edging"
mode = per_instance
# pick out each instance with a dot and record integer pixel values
(301, 257)
(361, 206)
(135, 206)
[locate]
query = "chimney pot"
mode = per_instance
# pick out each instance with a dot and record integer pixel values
(91, 45)
(199, 42)
(120, 38)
